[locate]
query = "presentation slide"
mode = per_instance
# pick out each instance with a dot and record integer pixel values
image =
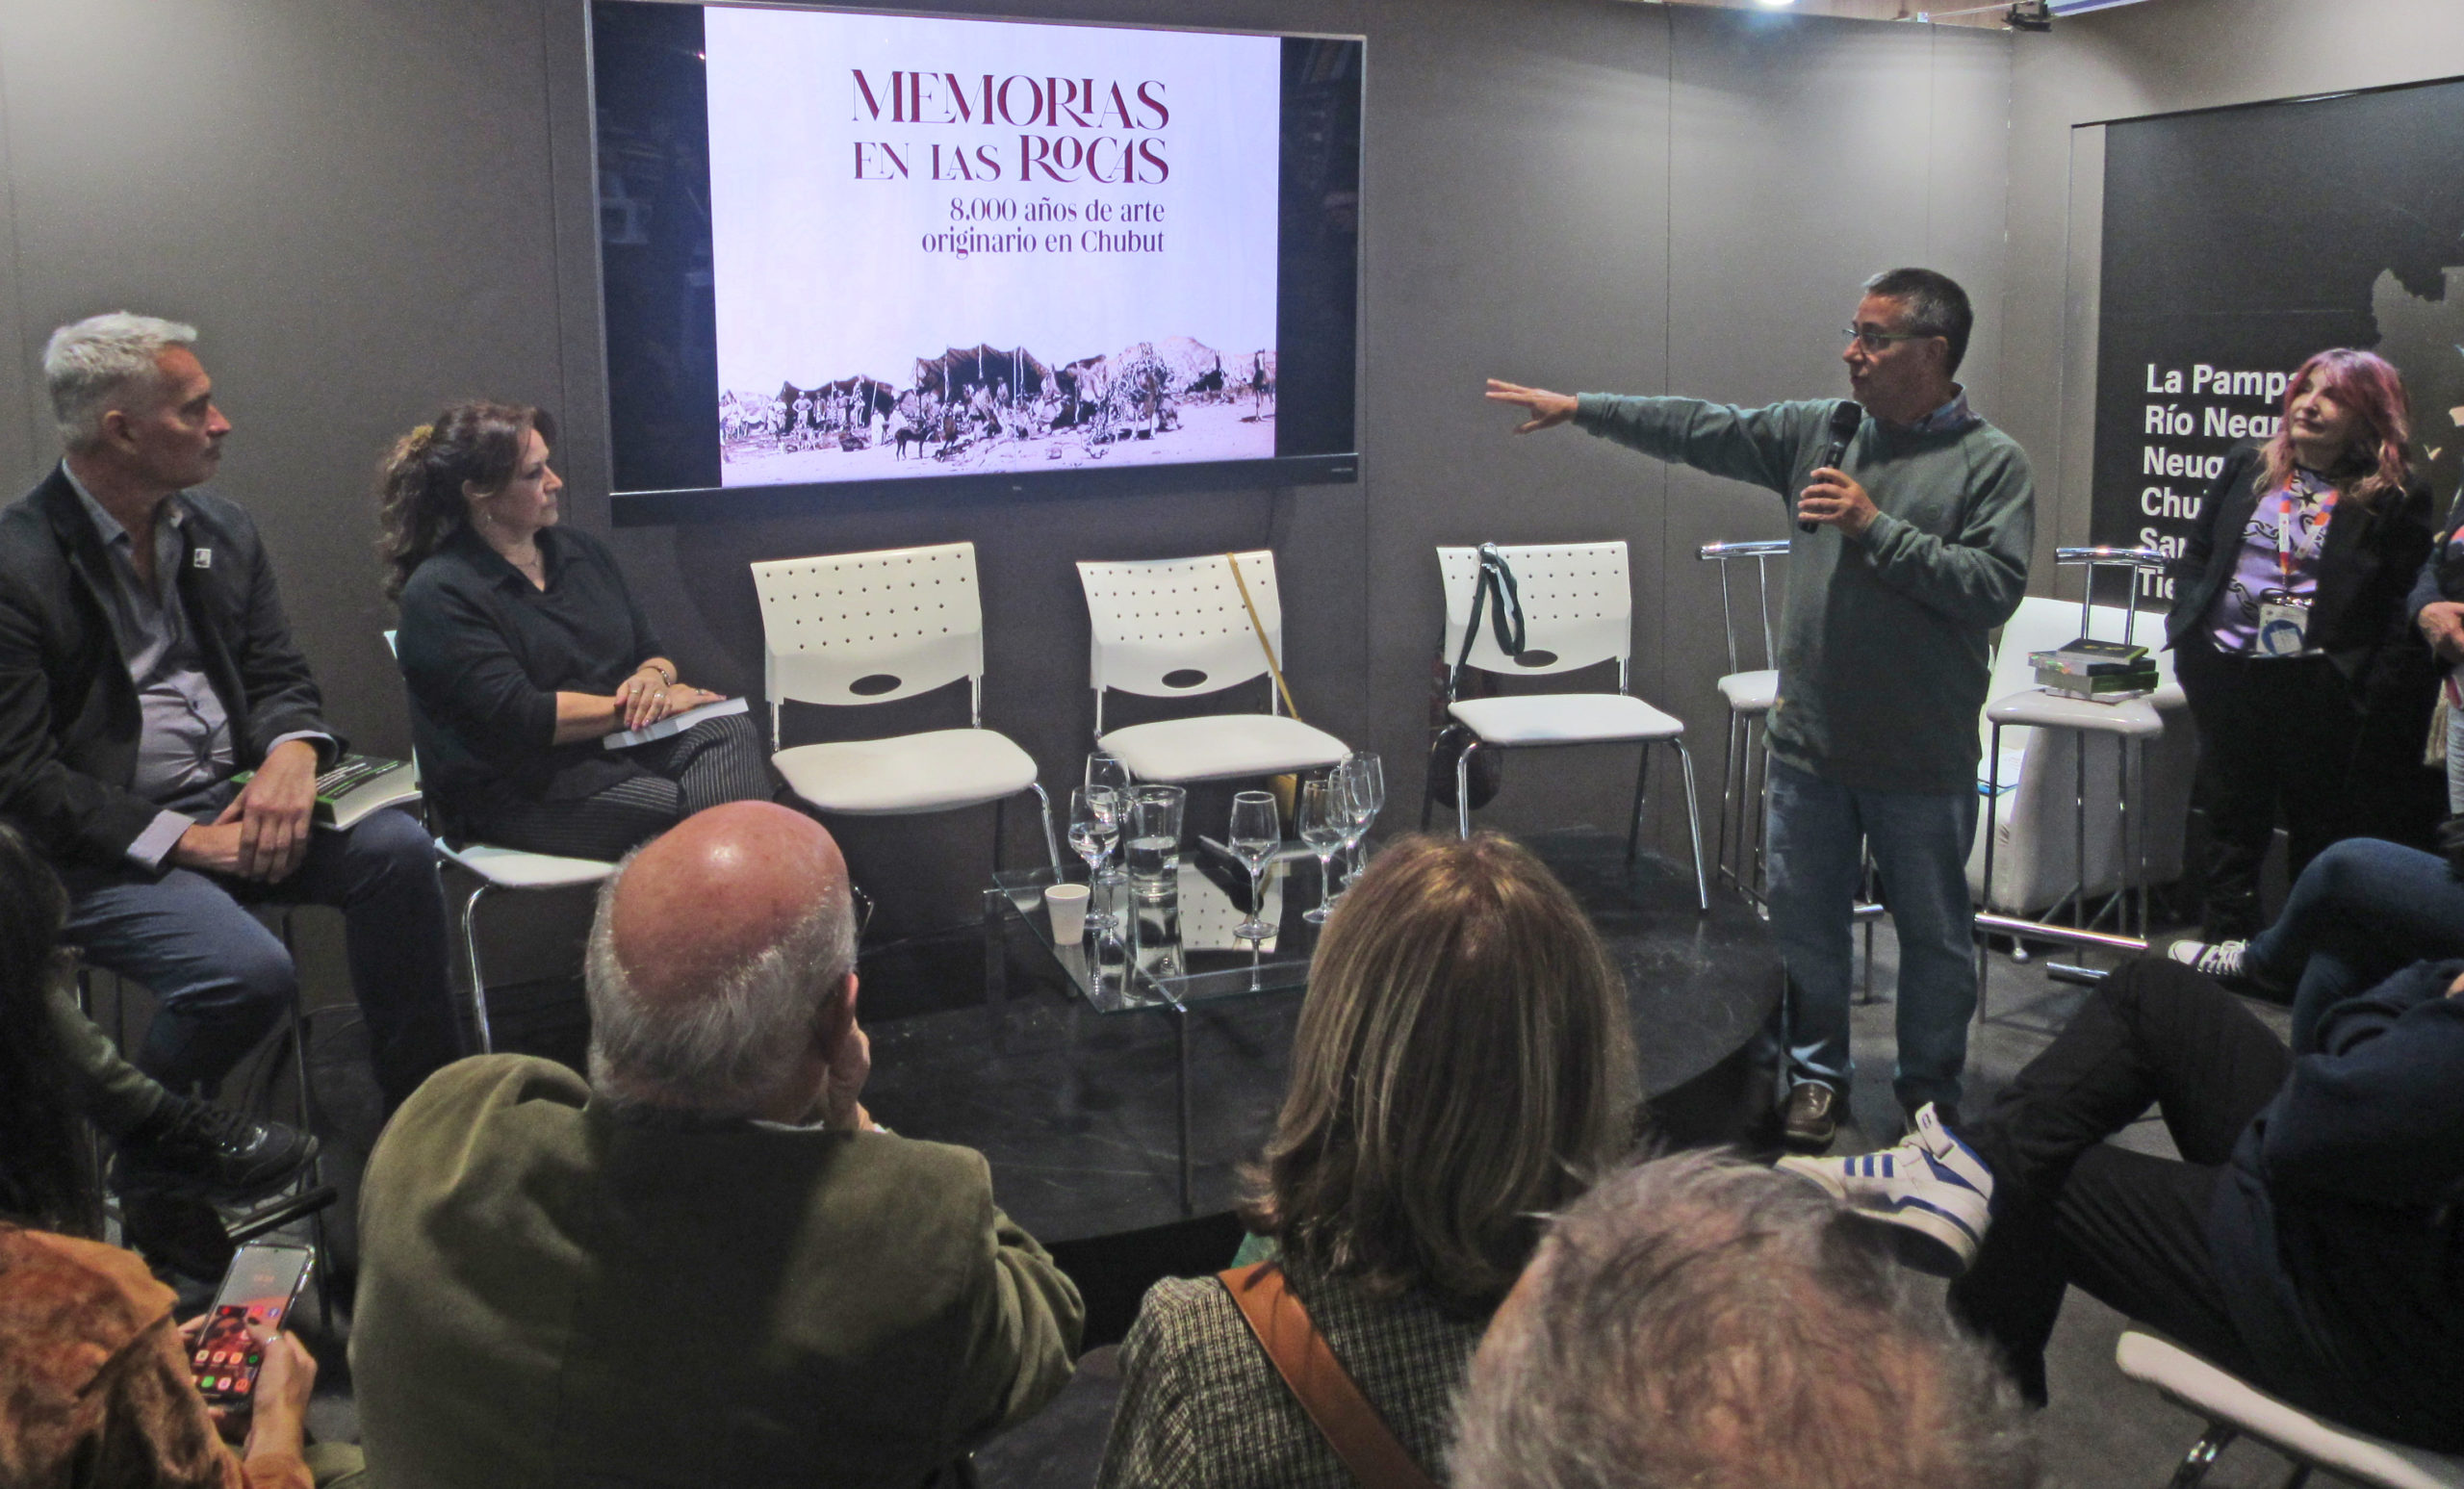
(943, 248)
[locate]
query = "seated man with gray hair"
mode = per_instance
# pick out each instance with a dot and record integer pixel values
(706, 1264)
(1701, 1322)
(160, 740)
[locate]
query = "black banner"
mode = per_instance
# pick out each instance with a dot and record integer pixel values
(2238, 241)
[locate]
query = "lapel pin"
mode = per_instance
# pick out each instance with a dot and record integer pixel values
(203, 560)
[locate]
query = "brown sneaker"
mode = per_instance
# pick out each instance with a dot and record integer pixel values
(1812, 1118)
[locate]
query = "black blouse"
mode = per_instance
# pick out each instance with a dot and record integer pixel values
(485, 654)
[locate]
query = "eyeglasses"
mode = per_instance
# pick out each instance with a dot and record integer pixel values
(1876, 341)
(863, 911)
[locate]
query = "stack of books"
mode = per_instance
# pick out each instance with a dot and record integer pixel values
(2106, 671)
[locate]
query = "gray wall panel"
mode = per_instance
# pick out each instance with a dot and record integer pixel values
(371, 207)
(349, 201)
(2152, 59)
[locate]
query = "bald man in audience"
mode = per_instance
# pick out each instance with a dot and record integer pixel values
(706, 1264)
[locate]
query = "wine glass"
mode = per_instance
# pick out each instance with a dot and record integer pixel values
(1324, 817)
(1105, 769)
(1255, 835)
(1095, 828)
(1365, 789)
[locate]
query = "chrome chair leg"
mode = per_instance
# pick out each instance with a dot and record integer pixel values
(1463, 788)
(2202, 1456)
(1642, 790)
(478, 978)
(1693, 823)
(1051, 843)
(1992, 818)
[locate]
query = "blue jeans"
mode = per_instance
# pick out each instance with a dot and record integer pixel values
(1920, 843)
(223, 980)
(2362, 912)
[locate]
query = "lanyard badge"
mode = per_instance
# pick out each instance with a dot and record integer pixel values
(2284, 617)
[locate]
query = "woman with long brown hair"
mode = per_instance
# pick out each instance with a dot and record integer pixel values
(1464, 1065)
(523, 650)
(2290, 635)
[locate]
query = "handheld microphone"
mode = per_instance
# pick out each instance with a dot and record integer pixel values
(1844, 421)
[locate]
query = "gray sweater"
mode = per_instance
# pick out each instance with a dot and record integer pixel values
(1884, 661)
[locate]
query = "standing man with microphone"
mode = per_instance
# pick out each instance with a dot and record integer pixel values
(1915, 519)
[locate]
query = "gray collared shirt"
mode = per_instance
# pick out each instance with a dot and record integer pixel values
(184, 749)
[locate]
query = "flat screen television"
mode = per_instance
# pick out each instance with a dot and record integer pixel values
(847, 255)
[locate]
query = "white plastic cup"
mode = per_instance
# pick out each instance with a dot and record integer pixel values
(1066, 905)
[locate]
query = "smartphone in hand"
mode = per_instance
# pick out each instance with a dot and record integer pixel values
(255, 1300)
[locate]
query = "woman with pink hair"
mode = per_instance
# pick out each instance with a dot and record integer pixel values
(2291, 638)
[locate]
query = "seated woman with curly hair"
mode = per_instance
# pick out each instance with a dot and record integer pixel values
(524, 649)
(1464, 1065)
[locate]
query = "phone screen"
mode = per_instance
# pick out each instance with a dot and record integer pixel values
(256, 1297)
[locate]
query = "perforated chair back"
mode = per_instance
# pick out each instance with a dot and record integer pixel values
(1577, 607)
(853, 628)
(1176, 628)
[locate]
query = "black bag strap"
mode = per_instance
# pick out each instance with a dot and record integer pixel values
(1497, 594)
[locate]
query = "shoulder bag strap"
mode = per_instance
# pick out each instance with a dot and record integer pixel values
(1497, 593)
(1345, 1418)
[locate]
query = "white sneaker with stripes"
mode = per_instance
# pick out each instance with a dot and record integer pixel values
(2216, 959)
(1931, 1187)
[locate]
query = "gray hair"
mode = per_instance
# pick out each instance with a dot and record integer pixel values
(1937, 306)
(91, 365)
(1701, 1322)
(730, 1051)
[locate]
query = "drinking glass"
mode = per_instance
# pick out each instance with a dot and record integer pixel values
(1155, 840)
(1365, 790)
(1255, 835)
(1105, 769)
(1095, 828)
(1324, 817)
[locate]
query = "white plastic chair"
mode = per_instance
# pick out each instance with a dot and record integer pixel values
(500, 870)
(1176, 628)
(848, 630)
(1578, 609)
(2234, 1408)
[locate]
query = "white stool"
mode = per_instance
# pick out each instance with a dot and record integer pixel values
(2234, 1408)
(1749, 693)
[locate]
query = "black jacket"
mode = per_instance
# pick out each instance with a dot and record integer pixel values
(68, 713)
(2358, 617)
(2338, 1228)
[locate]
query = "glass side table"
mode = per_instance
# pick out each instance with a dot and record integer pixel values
(1176, 952)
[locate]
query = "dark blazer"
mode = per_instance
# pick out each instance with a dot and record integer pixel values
(2368, 562)
(68, 713)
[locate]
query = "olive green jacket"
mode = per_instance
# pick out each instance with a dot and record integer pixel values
(555, 1291)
